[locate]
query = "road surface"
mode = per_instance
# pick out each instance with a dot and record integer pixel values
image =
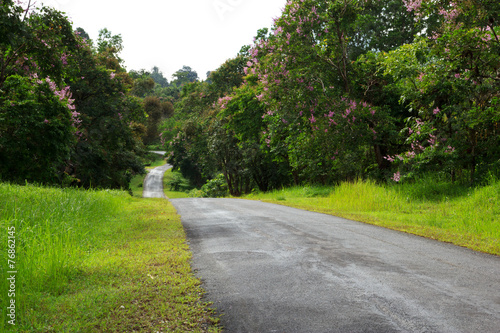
(153, 183)
(271, 268)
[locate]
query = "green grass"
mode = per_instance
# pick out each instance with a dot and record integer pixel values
(468, 217)
(156, 163)
(169, 175)
(136, 185)
(98, 261)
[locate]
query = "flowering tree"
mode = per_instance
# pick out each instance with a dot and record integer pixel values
(35, 130)
(451, 81)
(59, 96)
(342, 89)
(37, 112)
(315, 121)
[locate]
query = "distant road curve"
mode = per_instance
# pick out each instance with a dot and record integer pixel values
(153, 183)
(159, 152)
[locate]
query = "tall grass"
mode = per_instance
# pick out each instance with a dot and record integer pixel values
(98, 261)
(429, 207)
(55, 230)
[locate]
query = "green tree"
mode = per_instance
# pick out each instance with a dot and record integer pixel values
(227, 76)
(37, 115)
(109, 43)
(315, 120)
(143, 87)
(158, 77)
(184, 76)
(451, 82)
(236, 139)
(36, 132)
(82, 33)
(153, 108)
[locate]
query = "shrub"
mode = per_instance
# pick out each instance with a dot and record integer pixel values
(215, 188)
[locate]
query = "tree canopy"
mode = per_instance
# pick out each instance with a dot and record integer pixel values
(345, 89)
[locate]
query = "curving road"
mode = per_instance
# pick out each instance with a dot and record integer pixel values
(270, 268)
(153, 183)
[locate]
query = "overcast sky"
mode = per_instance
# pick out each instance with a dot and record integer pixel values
(169, 34)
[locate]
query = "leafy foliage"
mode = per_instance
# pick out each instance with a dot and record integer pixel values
(346, 89)
(63, 104)
(36, 131)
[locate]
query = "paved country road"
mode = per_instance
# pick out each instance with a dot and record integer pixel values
(153, 183)
(270, 268)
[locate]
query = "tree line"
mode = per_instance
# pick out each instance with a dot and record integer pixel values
(340, 90)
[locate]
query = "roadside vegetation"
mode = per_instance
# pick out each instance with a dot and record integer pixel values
(98, 261)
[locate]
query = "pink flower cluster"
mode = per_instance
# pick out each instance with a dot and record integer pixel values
(224, 101)
(413, 5)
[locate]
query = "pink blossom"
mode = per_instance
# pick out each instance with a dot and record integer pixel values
(411, 154)
(396, 177)
(449, 150)
(64, 58)
(412, 5)
(224, 101)
(451, 14)
(436, 111)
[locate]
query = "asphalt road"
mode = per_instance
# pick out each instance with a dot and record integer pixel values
(270, 268)
(153, 183)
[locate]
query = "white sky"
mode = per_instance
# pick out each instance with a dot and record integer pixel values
(201, 34)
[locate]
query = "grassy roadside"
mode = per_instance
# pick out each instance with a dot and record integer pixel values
(171, 194)
(98, 261)
(438, 210)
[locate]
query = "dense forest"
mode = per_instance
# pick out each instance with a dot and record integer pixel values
(336, 90)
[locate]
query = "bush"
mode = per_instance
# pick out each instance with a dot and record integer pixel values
(178, 182)
(215, 188)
